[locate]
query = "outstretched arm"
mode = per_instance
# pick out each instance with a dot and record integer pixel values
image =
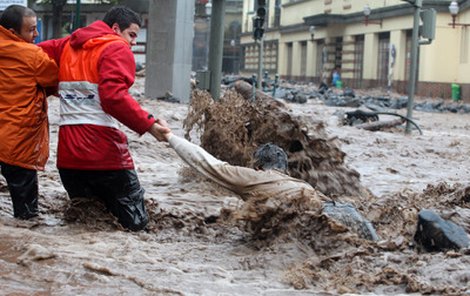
(234, 178)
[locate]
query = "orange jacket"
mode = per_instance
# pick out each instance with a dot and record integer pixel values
(25, 70)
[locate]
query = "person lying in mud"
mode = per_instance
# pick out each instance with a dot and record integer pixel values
(267, 188)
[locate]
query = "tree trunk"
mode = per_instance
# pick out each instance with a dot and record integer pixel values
(57, 9)
(379, 125)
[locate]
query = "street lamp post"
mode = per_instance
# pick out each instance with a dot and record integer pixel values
(311, 30)
(418, 4)
(454, 10)
(366, 14)
(260, 62)
(216, 45)
(367, 11)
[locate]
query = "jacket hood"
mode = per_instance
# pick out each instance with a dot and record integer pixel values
(86, 34)
(8, 35)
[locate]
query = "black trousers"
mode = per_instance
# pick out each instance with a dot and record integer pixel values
(23, 187)
(120, 191)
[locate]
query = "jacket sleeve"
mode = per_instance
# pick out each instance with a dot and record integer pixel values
(234, 178)
(54, 48)
(116, 70)
(46, 70)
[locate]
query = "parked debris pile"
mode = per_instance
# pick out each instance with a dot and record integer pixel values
(383, 103)
(348, 97)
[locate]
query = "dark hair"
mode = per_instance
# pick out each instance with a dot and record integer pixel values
(123, 16)
(12, 17)
(269, 156)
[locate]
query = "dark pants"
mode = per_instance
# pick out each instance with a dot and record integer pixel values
(120, 191)
(23, 186)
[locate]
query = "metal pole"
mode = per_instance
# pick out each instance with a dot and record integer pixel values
(76, 24)
(414, 63)
(253, 94)
(216, 46)
(260, 63)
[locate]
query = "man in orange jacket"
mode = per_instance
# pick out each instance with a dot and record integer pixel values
(97, 68)
(25, 71)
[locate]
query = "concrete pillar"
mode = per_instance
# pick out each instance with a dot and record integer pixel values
(295, 58)
(282, 64)
(311, 58)
(371, 49)
(169, 48)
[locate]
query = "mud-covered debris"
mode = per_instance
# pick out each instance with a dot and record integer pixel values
(35, 252)
(359, 116)
(436, 234)
(346, 214)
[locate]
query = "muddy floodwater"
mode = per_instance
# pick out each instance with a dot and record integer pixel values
(189, 249)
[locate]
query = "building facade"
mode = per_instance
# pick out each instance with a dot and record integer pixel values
(305, 40)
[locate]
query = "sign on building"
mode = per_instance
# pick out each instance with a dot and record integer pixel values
(5, 3)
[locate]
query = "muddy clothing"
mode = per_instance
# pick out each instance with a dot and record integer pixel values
(25, 72)
(97, 68)
(23, 187)
(246, 182)
(119, 190)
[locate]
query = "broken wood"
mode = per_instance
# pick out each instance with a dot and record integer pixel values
(379, 125)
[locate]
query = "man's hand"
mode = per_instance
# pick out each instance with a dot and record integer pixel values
(160, 130)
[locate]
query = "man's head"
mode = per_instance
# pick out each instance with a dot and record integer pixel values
(21, 21)
(124, 22)
(270, 157)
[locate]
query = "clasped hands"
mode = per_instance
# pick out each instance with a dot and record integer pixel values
(160, 130)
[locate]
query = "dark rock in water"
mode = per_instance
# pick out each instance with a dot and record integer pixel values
(453, 107)
(334, 100)
(290, 97)
(465, 108)
(399, 103)
(300, 98)
(347, 215)
(437, 234)
(281, 93)
(349, 92)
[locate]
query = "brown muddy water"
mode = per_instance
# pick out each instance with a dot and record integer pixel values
(191, 249)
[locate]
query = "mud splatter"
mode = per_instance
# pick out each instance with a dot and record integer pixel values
(234, 127)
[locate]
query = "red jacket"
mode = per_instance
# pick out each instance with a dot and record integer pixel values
(25, 71)
(98, 58)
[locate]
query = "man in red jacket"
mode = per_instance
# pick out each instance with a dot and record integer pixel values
(96, 70)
